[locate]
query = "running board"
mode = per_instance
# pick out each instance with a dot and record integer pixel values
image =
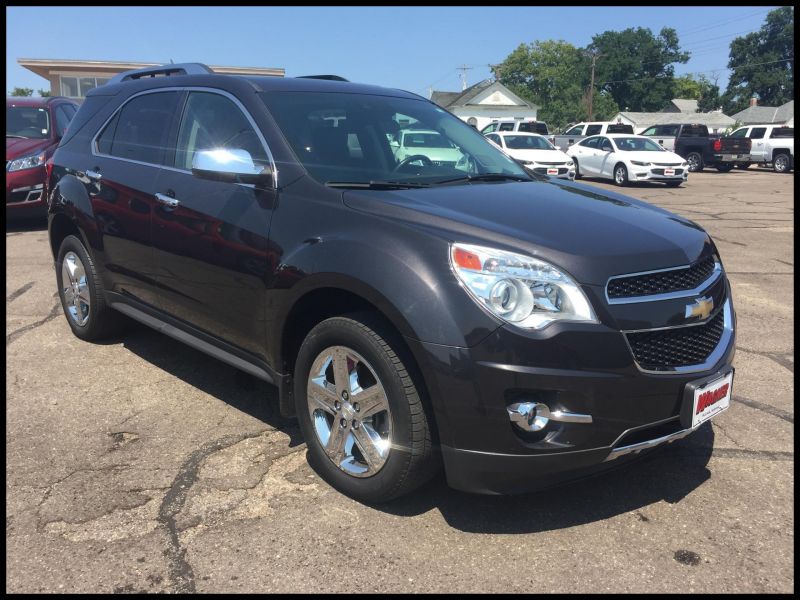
(193, 341)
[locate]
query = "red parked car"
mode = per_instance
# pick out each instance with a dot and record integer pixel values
(34, 126)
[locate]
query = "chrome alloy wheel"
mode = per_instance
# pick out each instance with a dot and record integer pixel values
(75, 288)
(349, 411)
(619, 175)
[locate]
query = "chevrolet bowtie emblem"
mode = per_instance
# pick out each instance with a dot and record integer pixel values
(701, 308)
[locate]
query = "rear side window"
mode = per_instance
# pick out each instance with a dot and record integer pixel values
(211, 121)
(506, 127)
(593, 129)
(782, 132)
(87, 110)
(140, 130)
(757, 133)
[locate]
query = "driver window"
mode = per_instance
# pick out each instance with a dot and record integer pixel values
(606, 145)
(213, 121)
(651, 131)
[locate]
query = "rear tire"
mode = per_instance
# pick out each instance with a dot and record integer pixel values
(621, 175)
(781, 163)
(82, 295)
(371, 354)
(743, 166)
(695, 161)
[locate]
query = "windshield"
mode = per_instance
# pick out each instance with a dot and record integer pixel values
(631, 144)
(27, 122)
(363, 138)
(527, 142)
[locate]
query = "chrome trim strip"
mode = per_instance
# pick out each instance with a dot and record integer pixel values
(667, 295)
(636, 448)
(713, 358)
(234, 99)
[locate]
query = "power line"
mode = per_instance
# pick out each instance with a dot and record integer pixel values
(695, 31)
(769, 62)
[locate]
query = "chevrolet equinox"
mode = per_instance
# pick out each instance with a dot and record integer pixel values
(413, 313)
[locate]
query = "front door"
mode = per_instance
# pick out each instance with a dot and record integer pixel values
(211, 238)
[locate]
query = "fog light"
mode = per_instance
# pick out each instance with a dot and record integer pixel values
(524, 415)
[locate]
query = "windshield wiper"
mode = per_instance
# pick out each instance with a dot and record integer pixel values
(376, 185)
(22, 137)
(485, 177)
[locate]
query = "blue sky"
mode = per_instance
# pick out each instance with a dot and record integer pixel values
(410, 48)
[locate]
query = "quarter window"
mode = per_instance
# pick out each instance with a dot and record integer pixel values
(140, 130)
(211, 121)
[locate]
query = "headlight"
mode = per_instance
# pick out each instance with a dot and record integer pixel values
(684, 164)
(640, 164)
(520, 290)
(27, 162)
(528, 162)
(570, 163)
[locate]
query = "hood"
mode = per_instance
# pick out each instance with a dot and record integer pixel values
(656, 157)
(589, 233)
(539, 155)
(18, 147)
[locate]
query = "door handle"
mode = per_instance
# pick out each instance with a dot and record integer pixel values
(93, 174)
(167, 201)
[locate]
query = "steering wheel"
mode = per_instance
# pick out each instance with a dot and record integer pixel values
(409, 159)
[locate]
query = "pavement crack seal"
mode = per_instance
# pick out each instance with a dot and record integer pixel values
(180, 571)
(23, 330)
(778, 357)
(767, 408)
(16, 294)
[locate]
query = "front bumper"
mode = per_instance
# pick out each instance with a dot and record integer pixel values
(659, 174)
(560, 171)
(584, 369)
(25, 193)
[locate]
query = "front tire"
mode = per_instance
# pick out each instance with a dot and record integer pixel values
(368, 433)
(82, 296)
(577, 169)
(695, 161)
(621, 175)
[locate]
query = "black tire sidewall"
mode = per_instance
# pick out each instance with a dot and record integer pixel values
(345, 332)
(89, 330)
(577, 169)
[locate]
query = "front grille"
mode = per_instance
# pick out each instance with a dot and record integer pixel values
(550, 164)
(665, 349)
(674, 280)
(543, 171)
(667, 164)
(661, 171)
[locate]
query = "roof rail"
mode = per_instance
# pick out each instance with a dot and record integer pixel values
(328, 77)
(172, 69)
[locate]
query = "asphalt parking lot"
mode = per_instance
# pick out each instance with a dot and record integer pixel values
(142, 465)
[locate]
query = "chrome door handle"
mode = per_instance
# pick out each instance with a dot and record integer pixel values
(93, 174)
(167, 201)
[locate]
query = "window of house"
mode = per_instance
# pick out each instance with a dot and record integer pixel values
(78, 87)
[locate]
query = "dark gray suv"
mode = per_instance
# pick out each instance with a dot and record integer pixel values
(412, 312)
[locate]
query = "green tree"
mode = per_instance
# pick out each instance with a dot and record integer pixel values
(45, 93)
(553, 74)
(21, 91)
(762, 63)
(699, 88)
(636, 68)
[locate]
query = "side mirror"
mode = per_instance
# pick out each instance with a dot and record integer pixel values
(229, 164)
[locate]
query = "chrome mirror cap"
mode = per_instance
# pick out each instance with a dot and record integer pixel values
(228, 164)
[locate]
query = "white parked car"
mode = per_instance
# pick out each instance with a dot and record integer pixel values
(625, 158)
(770, 144)
(535, 153)
(428, 143)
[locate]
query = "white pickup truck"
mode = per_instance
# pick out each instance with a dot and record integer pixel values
(770, 144)
(575, 133)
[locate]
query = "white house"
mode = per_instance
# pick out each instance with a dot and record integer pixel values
(484, 102)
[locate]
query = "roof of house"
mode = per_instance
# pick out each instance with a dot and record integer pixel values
(766, 114)
(659, 118)
(456, 99)
(684, 105)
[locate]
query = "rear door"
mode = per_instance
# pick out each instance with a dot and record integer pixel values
(758, 150)
(126, 160)
(212, 246)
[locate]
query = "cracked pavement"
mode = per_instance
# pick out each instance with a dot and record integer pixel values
(142, 465)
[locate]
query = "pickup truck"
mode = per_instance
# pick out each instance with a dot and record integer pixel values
(771, 144)
(575, 133)
(692, 142)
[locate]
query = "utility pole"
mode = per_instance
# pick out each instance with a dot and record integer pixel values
(594, 56)
(463, 69)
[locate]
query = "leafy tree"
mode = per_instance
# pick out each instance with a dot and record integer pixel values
(21, 91)
(45, 93)
(636, 68)
(699, 88)
(762, 62)
(553, 74)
